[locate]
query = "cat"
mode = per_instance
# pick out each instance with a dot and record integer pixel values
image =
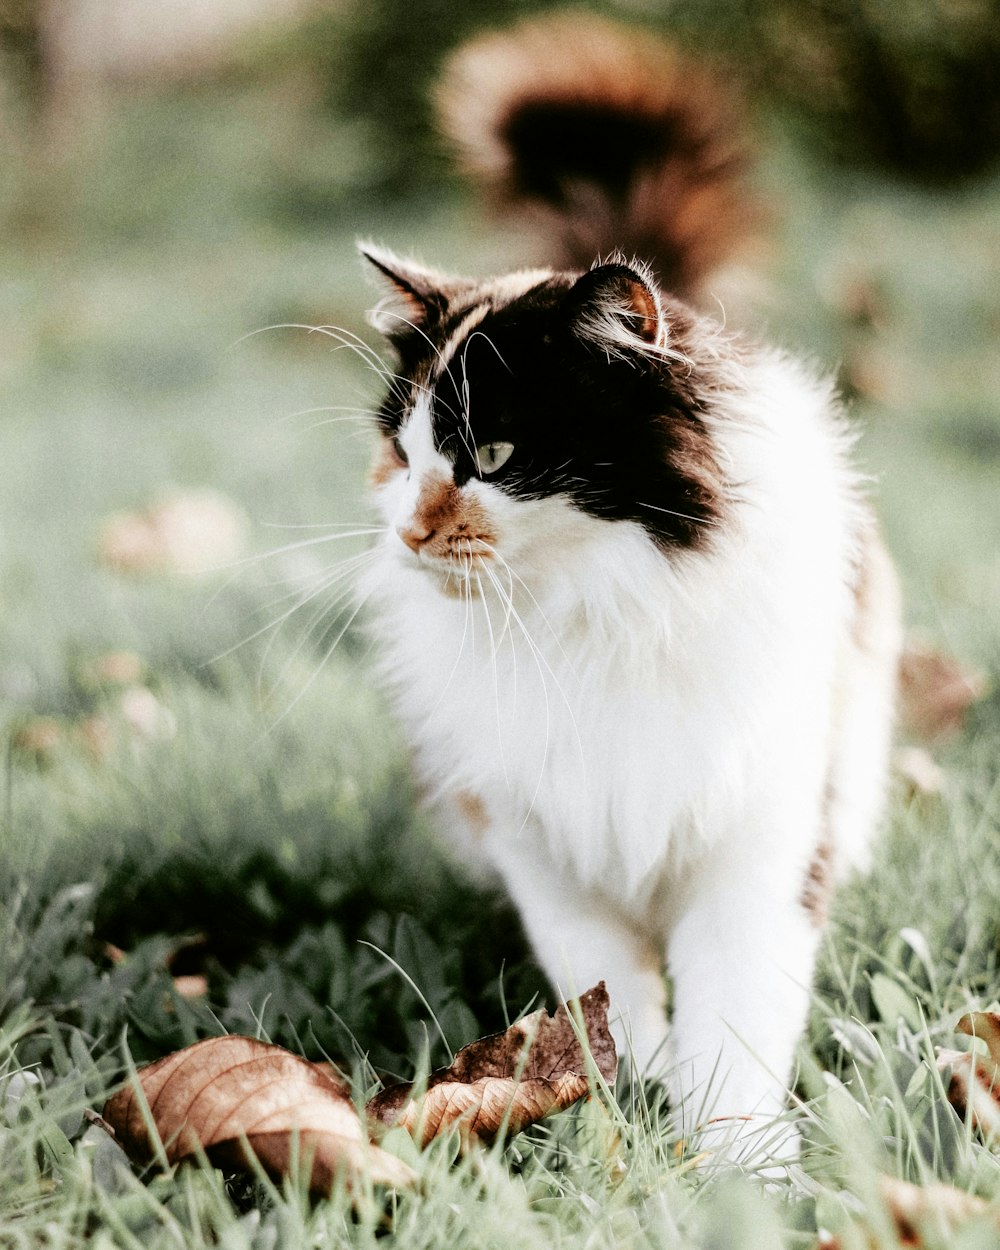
(633, 608)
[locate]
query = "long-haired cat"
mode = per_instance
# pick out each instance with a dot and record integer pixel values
(634, 611)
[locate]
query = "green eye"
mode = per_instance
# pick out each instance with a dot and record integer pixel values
(493, 456)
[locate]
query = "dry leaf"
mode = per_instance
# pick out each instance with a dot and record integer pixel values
(507, 1081)
(919, 771)
(974, 1087)
(145, 715)
(117, 668)
(232, 1097)
(937, 1208)
(936, 691)
(38, 739)
(191, 985)
(917, 1209)
(192, 532)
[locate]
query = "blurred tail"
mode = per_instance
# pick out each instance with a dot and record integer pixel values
(613, 141)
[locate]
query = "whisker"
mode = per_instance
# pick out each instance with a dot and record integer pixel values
(465, 591)
(324, 525)
(346, 338)
(496, 680)
(361, 532)
(351, 411)
(545, 695)
(326, 655)
(540, 659)
(527, 590)
(684, 516)
(344, 568)
(327, 611)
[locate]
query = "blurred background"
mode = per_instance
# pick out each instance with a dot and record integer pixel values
(182, 188)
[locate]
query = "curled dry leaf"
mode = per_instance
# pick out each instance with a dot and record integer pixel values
(233, 1097)
(192, 532)
(936, 1209)
(509, 1080)
(974, 1085)
(936, 691)
(919, 771)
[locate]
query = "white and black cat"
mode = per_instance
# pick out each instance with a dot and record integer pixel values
(634, 612)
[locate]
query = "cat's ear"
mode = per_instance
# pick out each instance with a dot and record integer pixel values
(416, 296)
(617, 306)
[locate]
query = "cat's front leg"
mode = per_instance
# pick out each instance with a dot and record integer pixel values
(741, 957)
(579, 939)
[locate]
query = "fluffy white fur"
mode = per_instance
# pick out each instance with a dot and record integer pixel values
(643, 746)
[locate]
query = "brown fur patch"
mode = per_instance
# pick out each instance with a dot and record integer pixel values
(452, 518)
(473, 811)
(385, 464)
(817, 889)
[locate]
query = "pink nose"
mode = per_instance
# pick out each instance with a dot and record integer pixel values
(415, 534)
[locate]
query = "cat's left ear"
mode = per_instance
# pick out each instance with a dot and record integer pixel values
(416, 296)
(618, 305)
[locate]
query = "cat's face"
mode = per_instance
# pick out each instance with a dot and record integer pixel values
(525, 409)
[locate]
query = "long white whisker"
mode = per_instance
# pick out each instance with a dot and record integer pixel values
(684, 516)
(326, 655)
(545, 695)
(343, 569)
(346, 338)
(465, 591)
(361, 532)
(496, 674)
(368, 421)
(323, 525)
(528, 591)
(328, 610)
(306, 585)
(540, 658)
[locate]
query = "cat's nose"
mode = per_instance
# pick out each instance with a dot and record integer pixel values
(415, 534)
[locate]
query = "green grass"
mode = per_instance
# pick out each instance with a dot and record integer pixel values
(272, 843)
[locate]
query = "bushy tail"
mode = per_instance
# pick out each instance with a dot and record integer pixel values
(612, 140)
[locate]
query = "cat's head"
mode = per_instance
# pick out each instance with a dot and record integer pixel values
(523, 409)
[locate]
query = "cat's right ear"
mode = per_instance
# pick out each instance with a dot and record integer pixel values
(416, 296)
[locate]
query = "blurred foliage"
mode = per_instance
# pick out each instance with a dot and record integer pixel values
(908, 86)
(373, 66)
(20, 39)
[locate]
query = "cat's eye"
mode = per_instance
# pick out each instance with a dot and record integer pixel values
(399, 452)
(490, 457)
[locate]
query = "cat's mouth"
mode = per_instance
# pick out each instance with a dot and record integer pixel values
(457, 572)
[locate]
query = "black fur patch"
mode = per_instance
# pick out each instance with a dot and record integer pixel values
(623, 437)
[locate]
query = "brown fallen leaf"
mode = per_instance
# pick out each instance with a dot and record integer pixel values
(188, 532)
(235, 1097)
(919, 772)
(191, 985)
(938, 1209)
(936, 691)
(38, 739)
(974, 1085)
(915, 1210)
(509, 1080)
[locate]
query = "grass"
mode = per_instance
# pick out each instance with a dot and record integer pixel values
(272, 843)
